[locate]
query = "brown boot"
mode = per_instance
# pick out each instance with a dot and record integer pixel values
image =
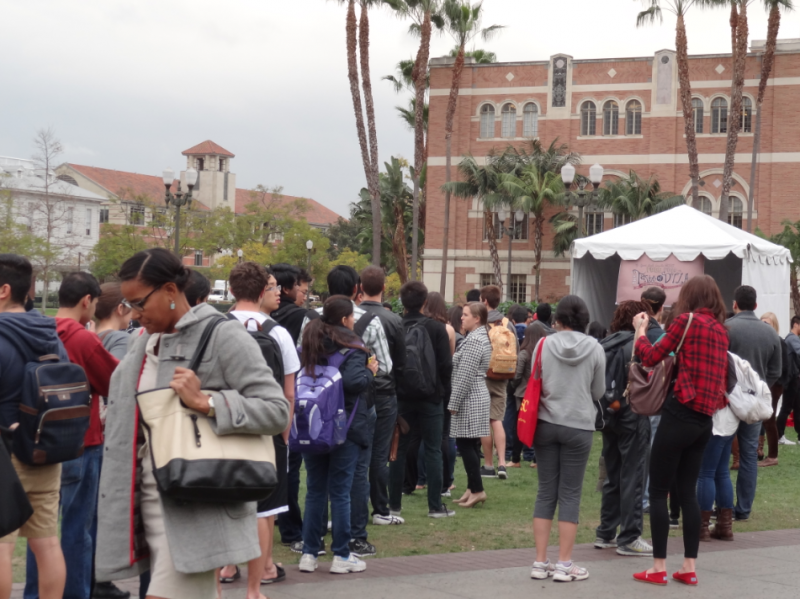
(723, 529)
(735, 453)
(705, 518)
(760, 448)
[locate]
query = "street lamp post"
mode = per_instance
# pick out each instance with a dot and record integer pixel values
(519, 216)
(240, 254)
(309, 247)
(178, 200)
(580, 197)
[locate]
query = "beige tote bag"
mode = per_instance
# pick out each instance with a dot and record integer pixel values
(191, 462)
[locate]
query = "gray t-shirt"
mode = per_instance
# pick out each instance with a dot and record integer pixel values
(115, 342)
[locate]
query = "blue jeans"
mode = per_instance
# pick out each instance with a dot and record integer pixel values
(386, 412)
(715, 475)
(329, 475)
(359, 491)
(748, 468)
(80, 481)
(654, 420)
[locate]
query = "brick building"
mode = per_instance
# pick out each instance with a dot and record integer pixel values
(624, 114)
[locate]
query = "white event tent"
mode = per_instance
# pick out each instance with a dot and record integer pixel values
(732, 256)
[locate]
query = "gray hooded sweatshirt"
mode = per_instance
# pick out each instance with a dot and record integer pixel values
(573, 378)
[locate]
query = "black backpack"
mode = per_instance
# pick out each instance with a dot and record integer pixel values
(790, 365)
(419, 374)
(54, 412)
(617, 363)
(270, 348)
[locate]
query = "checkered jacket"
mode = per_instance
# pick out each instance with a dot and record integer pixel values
(469, 397)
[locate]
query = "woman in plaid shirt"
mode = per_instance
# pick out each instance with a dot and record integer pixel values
(685, 428)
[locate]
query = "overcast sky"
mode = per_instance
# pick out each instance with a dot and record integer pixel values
(128, 85)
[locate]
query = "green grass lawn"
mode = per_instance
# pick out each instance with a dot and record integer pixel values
(504, 521)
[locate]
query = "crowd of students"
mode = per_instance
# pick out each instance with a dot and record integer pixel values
(431, 382)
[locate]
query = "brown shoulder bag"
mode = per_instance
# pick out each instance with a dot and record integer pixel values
(648, 387)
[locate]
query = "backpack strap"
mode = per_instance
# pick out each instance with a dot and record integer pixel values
(259, 328)
(686, 330)
(268, 325)
(338, 358)
(363, 323)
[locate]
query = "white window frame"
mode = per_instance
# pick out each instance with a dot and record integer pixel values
(610, 117)
(530, 120)
(735, 215)
(509, 121)
(518, 289)
(487, 121)
(88, 222)
(633, 117)
(588, 118)
(719, 115)
(596, 220)
(698, 111)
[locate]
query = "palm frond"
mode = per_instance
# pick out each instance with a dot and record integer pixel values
(650, 16)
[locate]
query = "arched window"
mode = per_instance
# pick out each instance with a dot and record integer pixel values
(633, 118)
(509, 120)
(487, 121)
(705, 205)
(735, 210)
(746, 124)
(719, 116)
(530, 120)
(611, 118)
(697, 112)
(588, 119)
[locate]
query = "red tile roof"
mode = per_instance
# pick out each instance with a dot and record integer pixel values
(121, 183)
(315, 214)
(207, 147)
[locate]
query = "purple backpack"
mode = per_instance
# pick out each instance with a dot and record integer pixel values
(320, 421)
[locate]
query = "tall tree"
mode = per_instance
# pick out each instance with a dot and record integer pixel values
(790, 238)
(357, 37)
(532, 191)
(424, 15)
(679, 8)
(463, 22)
(739, 35)
(481, 183)
(768, 58)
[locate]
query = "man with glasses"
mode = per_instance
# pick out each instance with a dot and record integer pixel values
(257, 295)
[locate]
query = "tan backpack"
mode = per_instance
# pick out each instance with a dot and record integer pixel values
(503, 364)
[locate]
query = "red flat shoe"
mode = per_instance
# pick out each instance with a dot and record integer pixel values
(689, 578)
(659, 578)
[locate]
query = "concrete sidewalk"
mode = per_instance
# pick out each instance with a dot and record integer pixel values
(756, 564)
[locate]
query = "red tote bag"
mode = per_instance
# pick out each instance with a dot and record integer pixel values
(529, 410)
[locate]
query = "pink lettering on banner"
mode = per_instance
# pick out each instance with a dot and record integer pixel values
(670, 275)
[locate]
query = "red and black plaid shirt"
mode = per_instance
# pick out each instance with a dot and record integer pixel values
(702, 361)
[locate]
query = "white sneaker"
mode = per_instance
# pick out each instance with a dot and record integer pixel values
(341, 565)
(570, 573)
(784, 441)
(639, 548)
(308, 563)
(541, 570)
(387, 520)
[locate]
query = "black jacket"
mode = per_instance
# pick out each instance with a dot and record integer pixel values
(393, 327)
(290, 316)
(441, 349)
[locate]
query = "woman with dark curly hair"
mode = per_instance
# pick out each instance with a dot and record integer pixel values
(573, 378)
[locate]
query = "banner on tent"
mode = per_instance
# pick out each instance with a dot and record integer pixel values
(637, 275)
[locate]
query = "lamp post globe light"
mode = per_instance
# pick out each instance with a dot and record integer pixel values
(309, 247)
(179, 199)
(240, 253)
(519, 216)
(580, 197)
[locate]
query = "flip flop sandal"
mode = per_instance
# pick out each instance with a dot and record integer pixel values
(279, 578)
(229, 579)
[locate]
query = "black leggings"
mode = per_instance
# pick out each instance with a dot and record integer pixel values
(791, 397)
(676, 456)
(470, 454)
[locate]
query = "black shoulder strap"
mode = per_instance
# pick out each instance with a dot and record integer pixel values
(268, 326)
(363, 323)
(204, 339)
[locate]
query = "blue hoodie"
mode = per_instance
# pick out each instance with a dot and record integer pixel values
(24, 337)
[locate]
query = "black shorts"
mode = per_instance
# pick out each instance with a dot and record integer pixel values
(278, 501)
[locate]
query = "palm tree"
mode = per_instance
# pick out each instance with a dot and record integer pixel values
(480, 182)
(679, 8)
(768, 58)
(424, 15)
(532, 191)
(739, 34)
(478, 55)
(635, 198)
(463, 22)
(790, 238)
(357, 38)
